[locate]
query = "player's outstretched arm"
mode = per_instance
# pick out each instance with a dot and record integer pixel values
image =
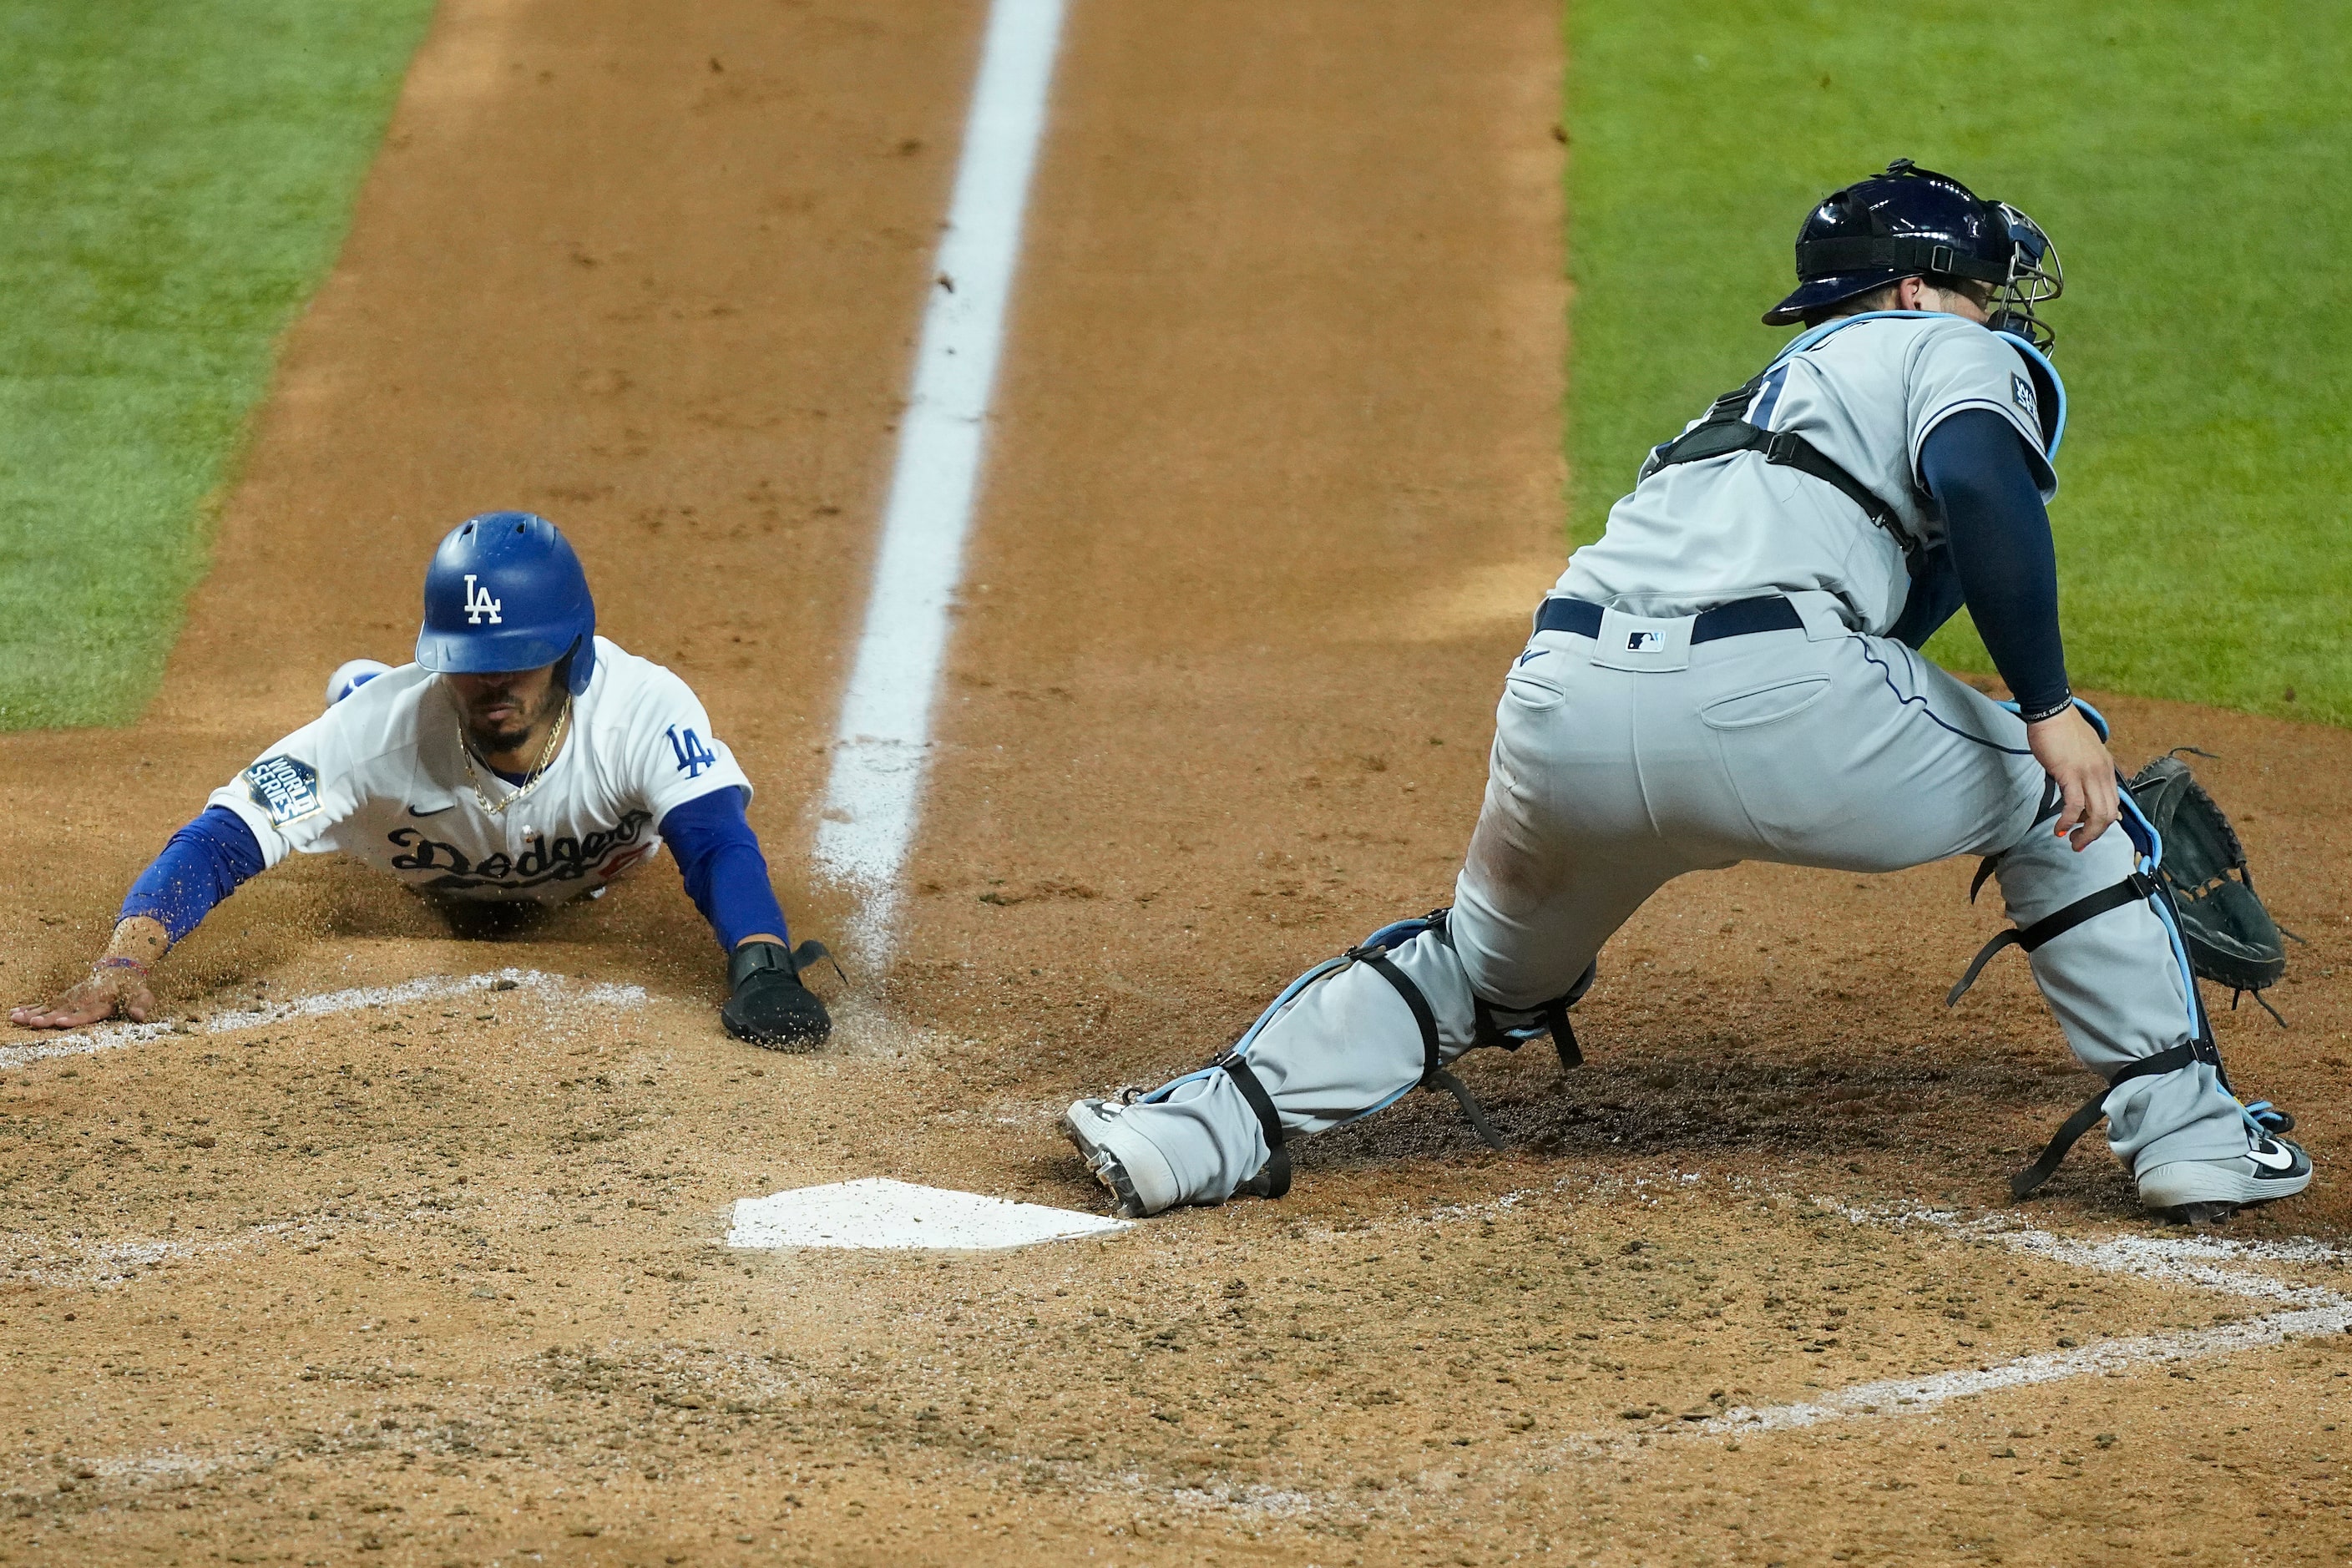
(205, 862)
(726, 878)
(116, 984)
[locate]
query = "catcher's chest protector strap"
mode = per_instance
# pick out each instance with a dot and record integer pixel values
(1433, 1065)
(2087, 1115)
(1269, 1121)
(1723, 432)
(2134, 888)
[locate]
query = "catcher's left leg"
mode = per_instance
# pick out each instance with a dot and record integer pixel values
(2100, 933)
(2105, 951)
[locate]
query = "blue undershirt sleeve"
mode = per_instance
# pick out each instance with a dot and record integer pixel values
(1976, 466)
(1935, 597)
(203, 863)
(726, 874)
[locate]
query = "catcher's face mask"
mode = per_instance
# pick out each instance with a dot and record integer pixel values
(2035, 276)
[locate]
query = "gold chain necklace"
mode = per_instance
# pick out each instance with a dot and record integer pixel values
(531, 780)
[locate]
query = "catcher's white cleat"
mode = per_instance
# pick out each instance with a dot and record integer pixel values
(2269, 1168)
(1135, 1174)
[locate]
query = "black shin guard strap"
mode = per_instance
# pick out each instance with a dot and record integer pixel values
(1269, 1121)
(1433, 1061)
(1563, 1037)
(1471, 1109)
(2133, 889)
(2087, 1115)
(1423, 1019)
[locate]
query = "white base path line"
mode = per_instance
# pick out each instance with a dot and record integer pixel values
(551, 988)
(873, 799)
(107, 1265)
(1918, 1396)
(2193, 1262)
(2192, 1259)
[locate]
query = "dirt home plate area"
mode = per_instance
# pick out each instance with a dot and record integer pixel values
(385, 1247)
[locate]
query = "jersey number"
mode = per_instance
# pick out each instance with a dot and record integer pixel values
(692, 755)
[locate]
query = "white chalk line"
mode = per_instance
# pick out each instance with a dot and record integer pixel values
(2193, 1262)
(549, 988)
(873, 797)
(109, 1264)
(2164, 1260)
(1918, 1396)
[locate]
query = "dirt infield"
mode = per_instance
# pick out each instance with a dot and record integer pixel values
(432, 1273)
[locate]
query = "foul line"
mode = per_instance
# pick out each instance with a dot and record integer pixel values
(2194, 1262)
(542, 988)
(873, 799)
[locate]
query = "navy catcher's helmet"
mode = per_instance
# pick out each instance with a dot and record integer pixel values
(506, 592)
(1911, 222)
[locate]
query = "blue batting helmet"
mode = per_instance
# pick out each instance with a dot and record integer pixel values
(1911, 222)
(506, 592)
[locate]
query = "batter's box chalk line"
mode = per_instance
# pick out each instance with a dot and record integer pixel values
(549, 988)
(877, 1214)
(2191, 1262)
(48, 1259)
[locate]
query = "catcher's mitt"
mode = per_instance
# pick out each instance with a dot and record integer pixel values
(2232, 939)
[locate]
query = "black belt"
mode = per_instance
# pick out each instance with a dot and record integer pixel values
(1769, 613)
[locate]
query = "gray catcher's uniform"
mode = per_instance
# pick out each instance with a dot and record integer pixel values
(1640, 737)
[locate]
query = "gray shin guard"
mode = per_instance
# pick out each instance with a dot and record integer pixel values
(1350, 1037)
(2102, 936)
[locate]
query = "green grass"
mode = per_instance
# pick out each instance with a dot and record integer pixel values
(2193, 162)
(175, 176)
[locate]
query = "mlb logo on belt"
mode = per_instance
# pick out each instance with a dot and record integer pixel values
(1644, 642)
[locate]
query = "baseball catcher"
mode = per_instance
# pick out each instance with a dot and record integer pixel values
(1732, 672)
(521, 761)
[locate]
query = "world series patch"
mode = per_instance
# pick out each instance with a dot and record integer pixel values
(2022, 390)
(285, 787)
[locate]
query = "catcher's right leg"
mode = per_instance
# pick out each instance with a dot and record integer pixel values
(1352, 1035)
(1563, 854)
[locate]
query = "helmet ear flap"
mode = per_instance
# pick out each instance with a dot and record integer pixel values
(579, 665)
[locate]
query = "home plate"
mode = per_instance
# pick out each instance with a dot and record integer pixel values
(879, 1214)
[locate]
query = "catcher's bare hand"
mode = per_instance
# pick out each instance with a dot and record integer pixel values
(2078, 763)
(117, 990)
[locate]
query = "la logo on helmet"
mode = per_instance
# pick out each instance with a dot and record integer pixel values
(479, 604)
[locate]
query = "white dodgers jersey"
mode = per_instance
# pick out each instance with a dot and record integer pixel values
(1865, 390)
(381, 776)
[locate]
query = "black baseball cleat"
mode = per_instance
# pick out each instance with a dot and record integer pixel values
(2206, 1190)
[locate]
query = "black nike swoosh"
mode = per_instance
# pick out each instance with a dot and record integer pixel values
(435, 812)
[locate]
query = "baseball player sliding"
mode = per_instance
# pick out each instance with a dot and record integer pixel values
(1731, 672)
(522, 761)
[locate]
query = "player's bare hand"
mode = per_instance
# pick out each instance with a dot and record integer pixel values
(2078, 761)
(117, 991)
